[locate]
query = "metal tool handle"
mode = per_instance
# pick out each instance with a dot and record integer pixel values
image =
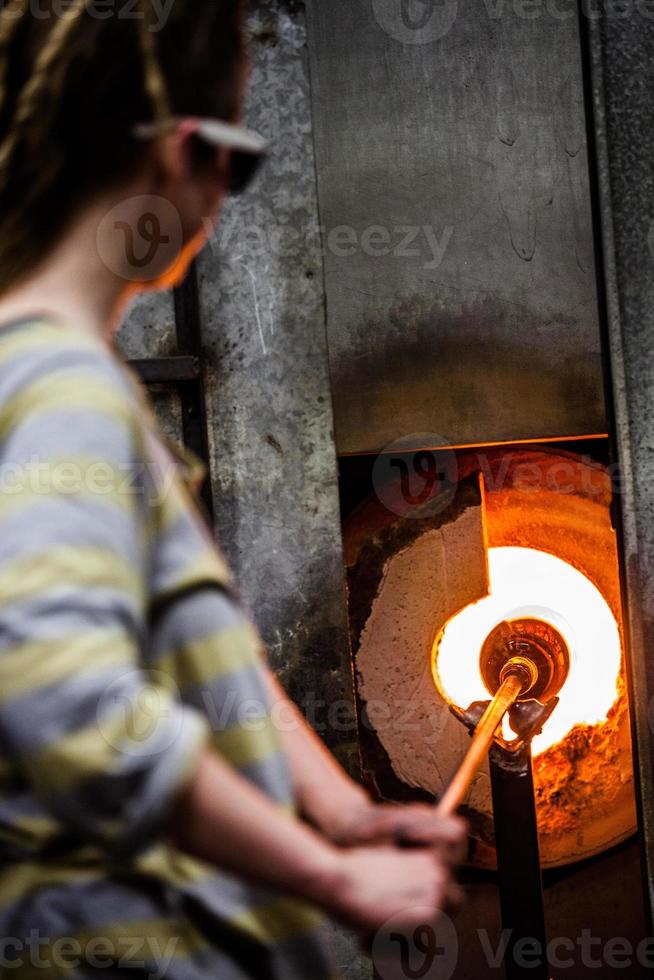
(507, 695)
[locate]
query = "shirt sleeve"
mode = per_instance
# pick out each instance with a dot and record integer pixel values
(102, 743)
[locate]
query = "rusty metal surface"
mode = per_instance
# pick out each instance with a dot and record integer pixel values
(268, 396)
(453, 188)
(149, 330)
(621, 60)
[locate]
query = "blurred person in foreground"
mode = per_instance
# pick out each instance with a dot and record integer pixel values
(137, 835)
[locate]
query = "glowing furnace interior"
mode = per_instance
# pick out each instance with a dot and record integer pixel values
(526, 583)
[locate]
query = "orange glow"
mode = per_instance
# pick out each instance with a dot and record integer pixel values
(525, 583)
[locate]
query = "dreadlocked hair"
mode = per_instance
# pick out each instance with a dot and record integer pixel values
(75, 82)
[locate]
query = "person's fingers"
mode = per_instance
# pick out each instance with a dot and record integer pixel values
(417, 822)
(406, 888)
(429, 829)
(376, 824)
(427, 821)
(450, 852)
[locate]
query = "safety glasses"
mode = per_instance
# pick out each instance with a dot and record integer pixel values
(247, 150)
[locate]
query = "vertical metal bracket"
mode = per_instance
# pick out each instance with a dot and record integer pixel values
(192, 393)
(183, 372)
(618, 56)
(518, 863)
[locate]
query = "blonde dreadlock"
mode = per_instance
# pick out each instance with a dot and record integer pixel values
(155, 83)
(64, 29)
(10, 18)
(28, 103)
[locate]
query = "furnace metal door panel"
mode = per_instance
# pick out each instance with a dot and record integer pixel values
(455, 212)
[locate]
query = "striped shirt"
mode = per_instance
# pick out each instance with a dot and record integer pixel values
(123, 654)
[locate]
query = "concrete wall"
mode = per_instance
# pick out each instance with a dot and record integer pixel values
(269, 403)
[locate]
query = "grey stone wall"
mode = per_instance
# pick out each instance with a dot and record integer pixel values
(269, 403)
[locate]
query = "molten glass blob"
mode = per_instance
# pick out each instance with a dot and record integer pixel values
(525, 583)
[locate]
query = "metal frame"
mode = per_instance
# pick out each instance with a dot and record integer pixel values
(618, 58)
(183, 372)
(518, 860)
(500, 139)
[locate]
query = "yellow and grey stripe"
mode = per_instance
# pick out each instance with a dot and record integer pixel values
(122, 653)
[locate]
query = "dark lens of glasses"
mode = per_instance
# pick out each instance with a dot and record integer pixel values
(242, 169)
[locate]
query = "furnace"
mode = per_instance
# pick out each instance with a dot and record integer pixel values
(527, 540)
(507, 567)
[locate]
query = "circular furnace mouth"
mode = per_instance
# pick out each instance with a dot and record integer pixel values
(549, 612)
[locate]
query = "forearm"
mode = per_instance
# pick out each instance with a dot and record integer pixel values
(225, 820)
(326, 795)
(341, 808)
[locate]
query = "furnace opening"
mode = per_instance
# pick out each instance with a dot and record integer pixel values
(528, 586)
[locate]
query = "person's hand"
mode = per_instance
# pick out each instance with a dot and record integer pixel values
(415, 824)
(367, 886)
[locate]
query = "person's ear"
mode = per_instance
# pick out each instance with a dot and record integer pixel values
(178, 150)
